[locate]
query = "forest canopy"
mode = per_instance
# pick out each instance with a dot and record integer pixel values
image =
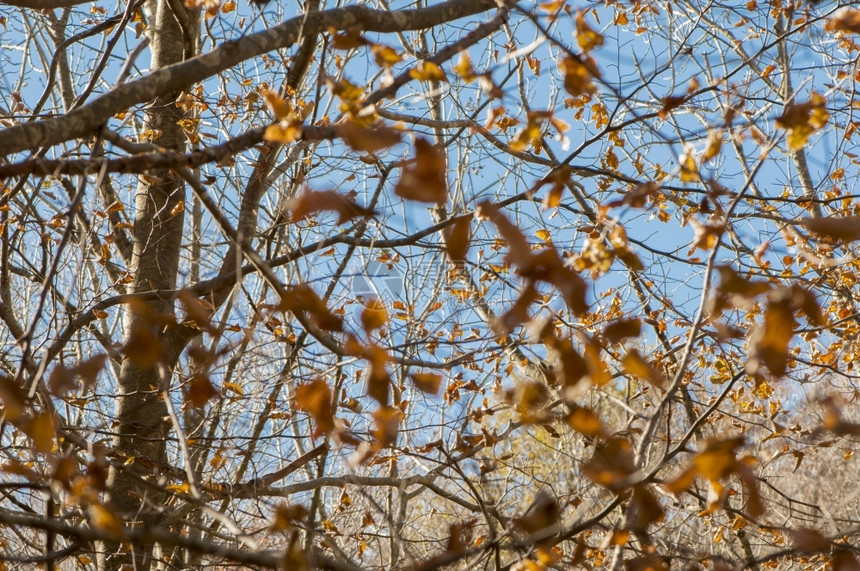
(398, 285)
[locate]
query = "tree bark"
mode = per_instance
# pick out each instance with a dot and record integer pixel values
(142, 425)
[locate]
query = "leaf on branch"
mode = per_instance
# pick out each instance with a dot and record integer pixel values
(770, 341)
(578, 75)
(385, 56)
(63, 378)
(348, 39)
(314, 398)
(845, 20)
(622, 329)
(426, 180)
(586, 37)
(802, 119)
(428, 71)
(463, 68)
(612, 463)
(367, 139)
(374, 315)
(843, 229)
(199, 390)
(636, 365)
(281, 108)
(705, 235)
(715, 463)
(311, 201)
(302, 299)
(458, 236)
(544, 513)
(427, 382)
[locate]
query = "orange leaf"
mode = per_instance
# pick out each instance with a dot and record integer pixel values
(374, 315)
(315, 399)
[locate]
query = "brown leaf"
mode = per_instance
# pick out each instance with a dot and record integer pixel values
(311, 202)
(14, 399)
(427, 382)
(387, 424)
(286, 516)
(769, 342)
(42, 430)
(808, 540)
(844, 560)
(543, 513)
(843, 229)
(199, 311)
(367, 139)
(105, 520)
(585, 421)
(457, 236)
(845, 20)
(518, 313)
(348, 39)
(644, 509)
(611, 464)
(302, 299)
(314, 398)
(144, 347)
(636, 365)
(200, 389)
(519, 251)
(426, 180)
(622, 329)
(427, 71)
(378, 379)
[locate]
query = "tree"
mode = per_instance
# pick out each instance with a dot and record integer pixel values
(409, 286)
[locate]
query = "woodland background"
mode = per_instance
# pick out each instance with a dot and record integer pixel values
(397, 285)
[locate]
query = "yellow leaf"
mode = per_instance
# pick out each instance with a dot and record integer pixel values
(464, 68)
(427, 71)
(586, 37)
(234, 387)
(801, 120)
(385, 56)
(282, 132)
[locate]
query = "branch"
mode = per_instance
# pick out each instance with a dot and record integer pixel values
(85, 120)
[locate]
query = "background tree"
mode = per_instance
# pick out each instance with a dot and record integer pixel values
(412, 286)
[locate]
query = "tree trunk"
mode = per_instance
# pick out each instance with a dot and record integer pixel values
(142, 420)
